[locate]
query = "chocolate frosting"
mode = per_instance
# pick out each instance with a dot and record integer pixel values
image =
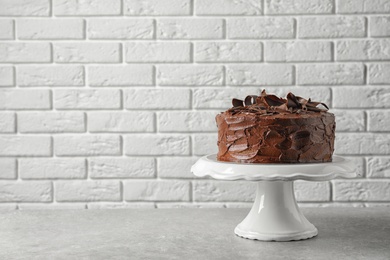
(269, 129)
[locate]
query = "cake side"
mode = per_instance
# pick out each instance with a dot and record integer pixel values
(248, 138)
(268, 129)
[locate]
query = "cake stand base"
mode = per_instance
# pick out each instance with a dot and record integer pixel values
(275, 215)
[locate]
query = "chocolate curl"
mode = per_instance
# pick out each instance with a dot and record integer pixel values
(312, 106)
(269, 100)
(303, 102)
(237, 102)
(274, 101)
(250, 100)
(292, 102)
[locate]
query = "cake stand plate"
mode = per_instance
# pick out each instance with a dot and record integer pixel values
(275, 215)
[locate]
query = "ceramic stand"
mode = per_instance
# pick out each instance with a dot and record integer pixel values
(275, 215)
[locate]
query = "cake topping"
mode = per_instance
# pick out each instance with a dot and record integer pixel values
(270, 104)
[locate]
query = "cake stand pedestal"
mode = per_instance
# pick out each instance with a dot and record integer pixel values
(275, 215)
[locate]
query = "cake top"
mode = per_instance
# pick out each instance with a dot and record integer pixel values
(269, 104)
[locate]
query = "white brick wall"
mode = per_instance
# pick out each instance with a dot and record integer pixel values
(16, 52)
(107, 104)
(47, 29)
(261, 28)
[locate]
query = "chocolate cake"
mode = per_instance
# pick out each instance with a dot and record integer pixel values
(269, 129)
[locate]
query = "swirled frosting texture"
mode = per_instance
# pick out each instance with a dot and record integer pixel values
(263, 133)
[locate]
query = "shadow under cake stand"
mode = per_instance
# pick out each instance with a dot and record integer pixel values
(275, 215)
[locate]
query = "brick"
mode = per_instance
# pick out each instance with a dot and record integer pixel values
(379, 73)
(52, 168)
(11, 52)
(215, 98)
(265, 74)
(228, 7)
(87, 145)
(298, 51)
(359, 163)
(379, 26)
(86, 7)
(8, 168)
(190, 205)
(312, 191)
(156, 190)
(331, 27)
(34, 191)
(51, 206)
(45, 28)
(87, 99)
(121, 121)
(74, 191)
(378, 167)
(331, 205)
(361, 190)
(25, 7)
(25, 99)
(362, 143)
(120, 28)
(157, 7)
(25, 145)
(175, 167)
(219, 191)
(330, 74)
(199, 121)
(8, 207)
(260, 28)
(361, 50)
(298, 7)
(7, 29)
(162, 144)
(190, 28)
(350, 120)
(378, 120)
(7, 122)
(51, 122)
(204, 144)
(118, 75)
(238, 205)
(228, 51)
(121, 205)
(7, 76)
(84, 52)
(157, 98)
(363, 6)
(50, 75)
(377, 204)
(190, 75)
(105, 168)
(158, 52)
(359, 97)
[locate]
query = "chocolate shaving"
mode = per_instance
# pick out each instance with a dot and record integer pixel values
(270, 104)
(273, 100)
(292, 101)
(250, 100)
(237, 102)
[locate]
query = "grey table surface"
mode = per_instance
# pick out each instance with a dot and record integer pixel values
(344, 233)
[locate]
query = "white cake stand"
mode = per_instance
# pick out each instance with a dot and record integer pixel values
(275, 215)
